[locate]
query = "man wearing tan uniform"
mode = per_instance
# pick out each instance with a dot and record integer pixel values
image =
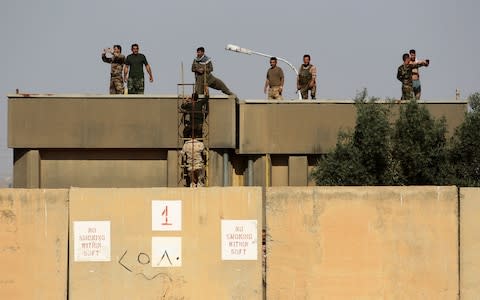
(274, 82)
(193, 151)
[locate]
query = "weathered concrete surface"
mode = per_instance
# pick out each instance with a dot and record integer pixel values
(33, 244)
(103, 168)
(297, 171)
(469, 243)
(26, 170)
(311, 127)
(133, 121)
(203, 274)
(362, 243)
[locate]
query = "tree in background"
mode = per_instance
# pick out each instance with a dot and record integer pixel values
(465, 146)
(419, 146)
(342, 166)
(371, 138)
(412, 151)
(361, 157)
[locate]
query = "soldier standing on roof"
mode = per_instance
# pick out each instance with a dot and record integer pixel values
(202, 67)
(117, 59)
(307, 77)
(133, 71)
(275, 80)
(404, 74)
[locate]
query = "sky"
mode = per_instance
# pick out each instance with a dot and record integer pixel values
(54, 46)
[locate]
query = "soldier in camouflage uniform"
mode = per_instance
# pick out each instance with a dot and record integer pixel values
(117, 60)
(404, 74)
(307, 77)
(202, 67)
(194, 111)
(193, 151)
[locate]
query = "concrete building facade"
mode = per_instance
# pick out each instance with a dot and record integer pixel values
(101, 141)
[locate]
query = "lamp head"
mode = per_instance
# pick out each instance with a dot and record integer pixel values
(239, 49)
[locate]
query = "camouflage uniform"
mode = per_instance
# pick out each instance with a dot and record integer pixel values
(305, 76)
(203, 67)
(193, 150)
(116, 75)
(136, 80)
(404, 74)
(194, 113)
(136, 85)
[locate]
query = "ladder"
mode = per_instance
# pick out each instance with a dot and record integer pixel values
(191, 112)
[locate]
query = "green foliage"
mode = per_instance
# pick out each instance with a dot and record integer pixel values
(474, 101)
(371, 139)
(465, 147)
(419, 146)
(362, 157)
(342, 166)
(412, 151)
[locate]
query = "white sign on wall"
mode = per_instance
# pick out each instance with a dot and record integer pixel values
(166, 251)
(166, 215)
(239, 240)
(91, 240)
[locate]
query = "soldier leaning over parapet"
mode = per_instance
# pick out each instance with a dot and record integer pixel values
(307, 78)
(116, 59)
(133, 71)
(202, 67)
(404, 74)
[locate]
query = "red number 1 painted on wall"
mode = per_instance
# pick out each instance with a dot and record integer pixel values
(165, 213)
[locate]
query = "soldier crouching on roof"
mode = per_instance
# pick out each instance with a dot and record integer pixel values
(116, 59)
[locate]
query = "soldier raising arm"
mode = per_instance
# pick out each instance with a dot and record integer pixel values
(404, 74)
(117, 60)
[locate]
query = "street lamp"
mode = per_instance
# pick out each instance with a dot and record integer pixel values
(239, 49)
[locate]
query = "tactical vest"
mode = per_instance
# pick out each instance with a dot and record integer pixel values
(305, 76)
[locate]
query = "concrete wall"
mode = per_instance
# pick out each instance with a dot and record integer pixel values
(130, 141)
(129, 275)
(108, 122)
(311, 127)
(362, 243)
(469, 243)
(33, 244)
(101, 168)
(322, 243)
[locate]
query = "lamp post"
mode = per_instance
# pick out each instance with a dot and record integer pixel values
(239, 49)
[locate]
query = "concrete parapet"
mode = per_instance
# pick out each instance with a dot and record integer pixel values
(362, 243)
(33, 244)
